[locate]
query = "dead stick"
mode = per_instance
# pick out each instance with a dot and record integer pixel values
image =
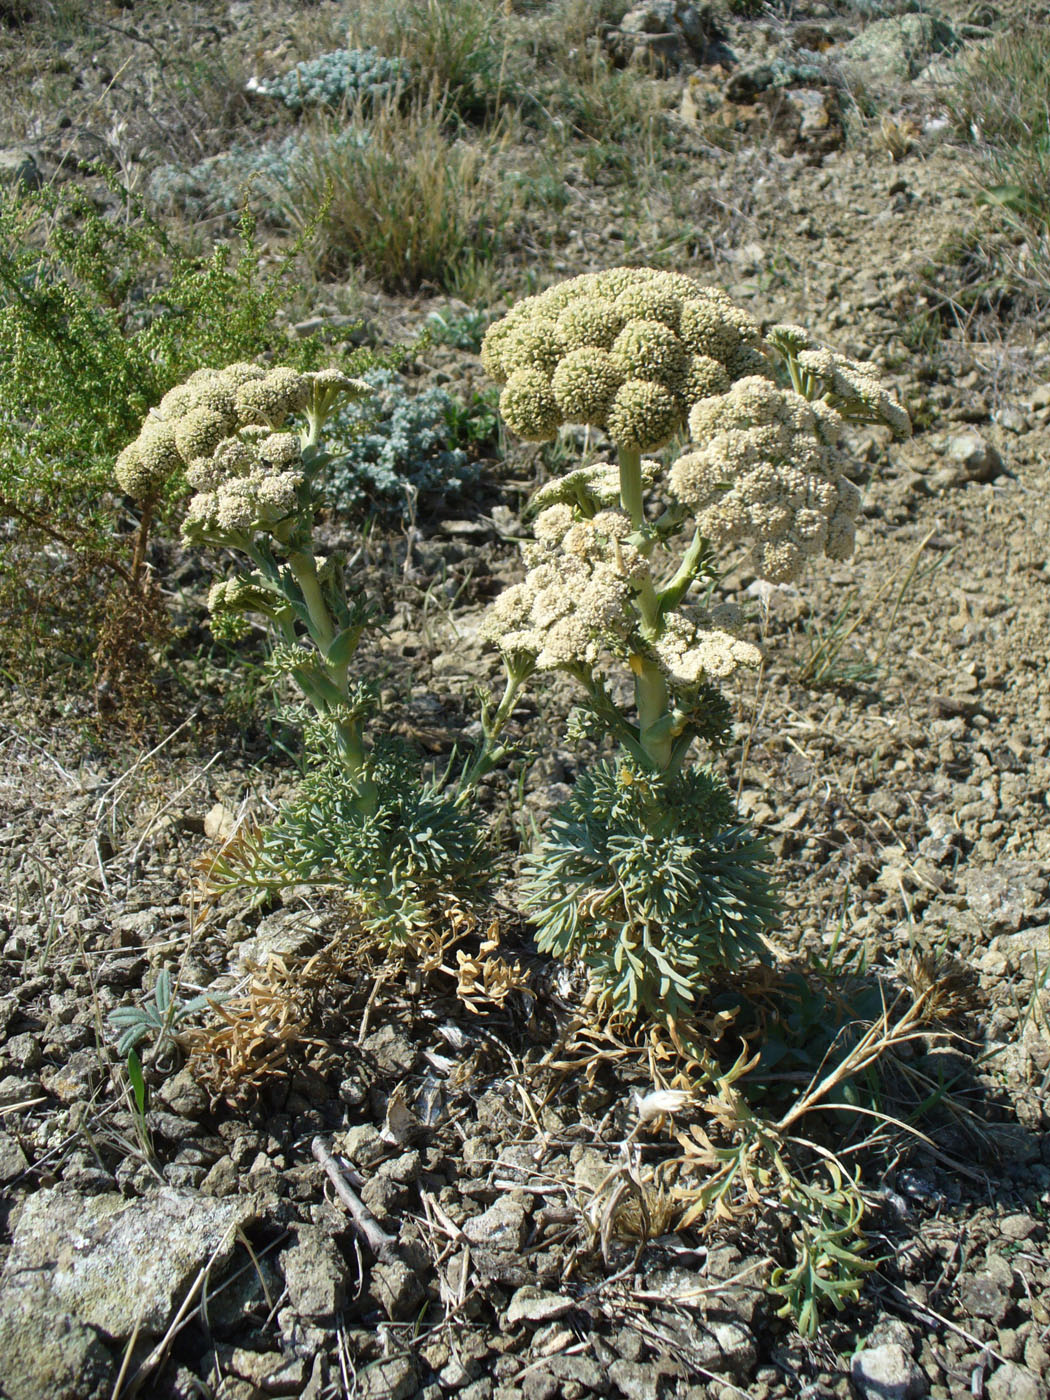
(382, 1245)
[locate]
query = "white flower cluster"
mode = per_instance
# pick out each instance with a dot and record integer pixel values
(573, 603)
(696, 646)
(223, 428)
(769, 469)
(850, 386)
(577, 602)
(628, 350)
(193, 419)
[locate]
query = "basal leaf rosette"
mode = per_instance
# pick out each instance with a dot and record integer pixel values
(627, 350)
(648, 880)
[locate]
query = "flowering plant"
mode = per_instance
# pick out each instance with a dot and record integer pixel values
(645, 873)
(363, 820)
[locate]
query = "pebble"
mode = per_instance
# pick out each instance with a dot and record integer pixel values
(887, 1372)
(531, 1304)
(1013, 1382)
(315, 1273)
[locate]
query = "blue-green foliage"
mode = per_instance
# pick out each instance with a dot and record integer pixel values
(332, 79)
(217, 185)
(397, 444)
(415, 846)
(652, 884)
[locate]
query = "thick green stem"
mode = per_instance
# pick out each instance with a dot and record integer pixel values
(321, 628)
(631, 496)
(650, 693)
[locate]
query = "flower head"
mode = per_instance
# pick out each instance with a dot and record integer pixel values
(628, 350)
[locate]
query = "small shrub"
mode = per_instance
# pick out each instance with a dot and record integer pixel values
(395, 444)
(337, 79)
(406, 203)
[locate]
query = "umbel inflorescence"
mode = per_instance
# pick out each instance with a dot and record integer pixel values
(627, 350)
(249, 442)
(619, 573)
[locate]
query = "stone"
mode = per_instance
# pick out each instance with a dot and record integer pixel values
(396, 1379)
(887, 1372)
(219, 823)
(183, 1095)
(535, 1305)
(392, 1050)
(501, 1228)
(18, 167)
(75, 1080)
(271, 1372)
(577, 1375)
(1013, 1382)
(633, 1379)
(315, 1273)
(978, 460)
(1003, 896)
(899, 47)
(13, 1161)
(981, 1295)
(661, 35)
(725, 1347)
(397, 1290)
(117, 1265)
(362, 1144)
(1027, 951)
(48, 1353)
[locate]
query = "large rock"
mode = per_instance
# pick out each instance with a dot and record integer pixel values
(115, 1265)
(662, 35)
(18, 167)
(48, 1353)
(892, 49)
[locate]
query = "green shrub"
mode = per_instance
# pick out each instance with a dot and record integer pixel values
(101, 311)
(335, 79)
(397, 444)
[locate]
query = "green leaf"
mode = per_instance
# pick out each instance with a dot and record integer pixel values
(343, 646)
(138, 1083)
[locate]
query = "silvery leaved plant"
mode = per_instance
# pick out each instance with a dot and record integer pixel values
(363, 820)
(645, 873)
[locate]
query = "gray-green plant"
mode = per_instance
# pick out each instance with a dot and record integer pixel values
(156, 1021)
(335, 79)
(619, 580)
(364, 820)
(395, 445)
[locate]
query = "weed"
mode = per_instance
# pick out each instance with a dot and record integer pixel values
(407, 203)
(463, 330)
(156, 1021)
(1001, 103)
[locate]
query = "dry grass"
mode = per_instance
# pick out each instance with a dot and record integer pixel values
(410, 205)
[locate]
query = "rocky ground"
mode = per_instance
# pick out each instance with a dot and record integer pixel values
(353, 1179)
